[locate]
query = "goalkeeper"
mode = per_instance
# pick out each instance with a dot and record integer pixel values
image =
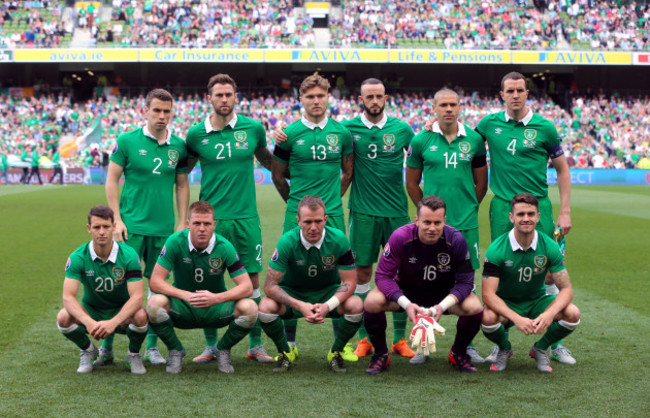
(425, 269)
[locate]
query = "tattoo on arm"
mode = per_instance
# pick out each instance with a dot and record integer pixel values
(343, 288)
(273, 290)
(561, 279)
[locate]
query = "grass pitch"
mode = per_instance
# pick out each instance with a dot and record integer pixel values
(607, 258)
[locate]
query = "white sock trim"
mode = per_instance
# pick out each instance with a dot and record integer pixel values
(67, 330)
(137, 329)
(266, 317)
(157, 315)
(362, 289)
(256, 293)
(568, 325)
(247, 321)
(354, 318)
(489, 329)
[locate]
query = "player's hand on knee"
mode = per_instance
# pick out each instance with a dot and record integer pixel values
(203, 299)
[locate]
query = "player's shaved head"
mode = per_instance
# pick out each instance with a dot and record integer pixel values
(200, 206)
(221, 79)
(511, 76)
(314, 81)
(527, 198)
(160, 94)
(444, 92)
(371, 82)
(101, 211)
(432, 202)
(312, 203)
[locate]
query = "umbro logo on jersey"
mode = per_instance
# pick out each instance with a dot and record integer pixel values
(205, 141)
(498, 131)
(300, 262)
(143, 152)
(90, 272)
(356, 137)
(433, 148)
(510, 263)
(300, 142)
(187, 260)
(413, 260)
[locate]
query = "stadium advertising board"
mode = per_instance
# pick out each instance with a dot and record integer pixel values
(71, 176)
(572, 57)
(604, 177)
(328, 55)
(76, 55)
(641, 58)
(200, 55)
(432, 56)
(6, 55)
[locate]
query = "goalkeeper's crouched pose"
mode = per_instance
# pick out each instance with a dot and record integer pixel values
(425, 270)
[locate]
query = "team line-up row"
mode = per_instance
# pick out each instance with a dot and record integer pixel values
(426, 268)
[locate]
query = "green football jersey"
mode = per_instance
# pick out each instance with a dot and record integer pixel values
(227, 165)
(56, 160)
(314, 159)
(4, 164)
(35, 158)
(194, 270)
(519, 153)
(521, 273)
(147, 200)
(104, 282)
(311, 267)
(447, 171)
(378, 182)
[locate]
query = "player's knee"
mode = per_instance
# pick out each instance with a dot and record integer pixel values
(157, 314)
(375, 301)
(471, 305)
(140, 318)
(490, 317)
(353, 305)
(246, 307)
(63, 319)
(156, 300)
(268, 305)
(571, 313)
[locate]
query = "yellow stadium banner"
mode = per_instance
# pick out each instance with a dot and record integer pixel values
(75, 55)
(200, 55)
(331, 55)
(448, 56)
(572, 57)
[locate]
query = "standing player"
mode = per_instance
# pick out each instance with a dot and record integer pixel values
(34, 164)
(113, 292)
(521, 143)
(226, 145)
(424, 264)
(152, 160)
(516, 264)
(452, 158)
(311, 275)
(56, 161)
(198, 298)
(318, 155)
(378, 204)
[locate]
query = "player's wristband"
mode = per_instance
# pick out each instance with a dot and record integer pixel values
(403, 302)
(332, 303)
(447, 302)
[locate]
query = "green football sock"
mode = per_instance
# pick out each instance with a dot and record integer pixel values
(362, 329)
(255, 337)
(165, 331)
(210, 336)
(152, 338)
(335, 326)
(79, 337)
(346, 330)
(556, 345)
(234, 335)
(499, 337)
(135, 339)
(107, 344)
(290, 328)
(399, 326)
(275, 331)
(554, 333)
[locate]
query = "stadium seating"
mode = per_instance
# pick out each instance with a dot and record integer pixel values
(36, 24)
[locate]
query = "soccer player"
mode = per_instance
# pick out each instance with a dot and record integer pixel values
(198, 298)
(378, 203)
(521, 143)
(56, 161)
(311, 275)
(451, 156)
(226, 144)
(515, 267)
(425, 264)
(4, 164)
(154, 162)
(113, 293)
(318, 155)
(34, 164)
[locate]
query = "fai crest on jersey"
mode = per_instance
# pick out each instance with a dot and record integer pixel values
(240, 136)
(118, 274)
(328, 260)
(332, 139)
(215, 262)
(387, 250)
(540, 261)
(530, 134)
(67, 264)
(444, 259)
(173, 155)
(389, 139)
(465, 147)
(275, 255)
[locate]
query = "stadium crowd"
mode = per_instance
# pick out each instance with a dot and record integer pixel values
(33, 24)
(598, 131)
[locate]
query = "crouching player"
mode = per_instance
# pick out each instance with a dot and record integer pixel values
(111, 275)
(425, 264)
(514, 293)
(198, 298)
(311, 275)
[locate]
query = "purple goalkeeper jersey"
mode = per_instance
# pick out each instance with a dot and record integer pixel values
(425, 273)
